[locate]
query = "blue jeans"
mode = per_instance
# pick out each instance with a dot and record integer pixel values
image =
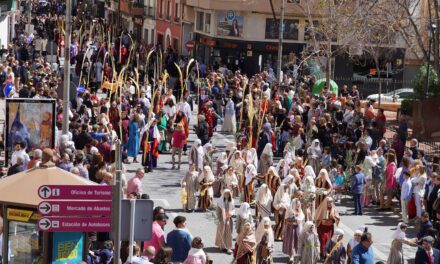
(357, 203)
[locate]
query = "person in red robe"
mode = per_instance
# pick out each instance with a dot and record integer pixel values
(326, 217)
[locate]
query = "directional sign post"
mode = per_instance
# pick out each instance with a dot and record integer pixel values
(75, 192)
(73, 224)
(75, 208)
(91, 213)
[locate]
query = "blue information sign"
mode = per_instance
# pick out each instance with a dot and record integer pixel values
(67, 247)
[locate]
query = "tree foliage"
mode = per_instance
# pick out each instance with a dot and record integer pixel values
(420, 83)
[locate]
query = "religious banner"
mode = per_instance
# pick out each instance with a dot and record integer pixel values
(31, 122)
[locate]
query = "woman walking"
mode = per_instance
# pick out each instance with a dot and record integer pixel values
(225, 211)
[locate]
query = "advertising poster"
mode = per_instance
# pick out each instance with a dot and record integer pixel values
(229, 24)
(290, 30)
(67, 247)
(31, 122)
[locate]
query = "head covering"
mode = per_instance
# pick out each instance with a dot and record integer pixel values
(287, 179)
(315, 149)
(285, 169)
(264, 196)
(306, 227)
(208, 175)
(250, 173)
(399, 233)
(295, 210)
(327, 178)
(353, 242)
(230, 205)
(223, 158)
(308, 185)
(246, 241)
(156, 133)
(323, 212)
(252, 157)
(261, 231)
(206, 147)
(273, 171)
(244, 212)
(198, 146)
(308, 171)
(282, 197)
(268, 150)
(338, 232)
(267, 127)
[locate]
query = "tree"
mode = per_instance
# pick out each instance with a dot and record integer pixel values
(420, 83)
(415, 26)
(344, 26)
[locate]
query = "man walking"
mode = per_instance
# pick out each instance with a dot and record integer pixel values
(357, 185)
(363, 252)
(179, 240)
(134, 185)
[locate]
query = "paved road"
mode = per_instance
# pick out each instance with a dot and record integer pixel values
(163, 186)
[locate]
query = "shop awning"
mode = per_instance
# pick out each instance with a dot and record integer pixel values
(21, 189)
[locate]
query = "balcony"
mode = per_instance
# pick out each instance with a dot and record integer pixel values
(134, 9)
(149, 12)
(176, 19)
(137, 9)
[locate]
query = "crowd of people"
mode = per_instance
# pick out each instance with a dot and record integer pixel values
(330, 147)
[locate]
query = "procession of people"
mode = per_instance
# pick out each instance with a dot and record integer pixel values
(296, 155)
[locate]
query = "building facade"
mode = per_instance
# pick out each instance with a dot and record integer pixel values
(169, 24)
(244, 35)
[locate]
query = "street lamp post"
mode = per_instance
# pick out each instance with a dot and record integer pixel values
(280, 43)
(428, 59)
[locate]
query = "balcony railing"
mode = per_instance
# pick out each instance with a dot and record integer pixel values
(176, 19)
(149, 12)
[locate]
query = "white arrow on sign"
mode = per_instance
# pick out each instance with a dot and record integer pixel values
(44, 224)
(44, 192)
(44, 208)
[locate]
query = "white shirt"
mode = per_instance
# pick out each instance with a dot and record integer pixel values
(419, 184)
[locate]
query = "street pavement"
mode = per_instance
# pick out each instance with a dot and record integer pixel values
(163, 186)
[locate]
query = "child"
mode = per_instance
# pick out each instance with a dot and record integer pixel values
(334, 249)
(405, 195)
(326, 158)
(338, 183)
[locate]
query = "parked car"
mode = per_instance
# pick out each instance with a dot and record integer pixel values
(393, 96)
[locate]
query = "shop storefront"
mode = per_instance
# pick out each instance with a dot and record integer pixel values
(249, 56)
(21, 241)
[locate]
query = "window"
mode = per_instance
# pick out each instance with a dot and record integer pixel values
(200, 21)
(162, 9)
(146, 36)
(290, 29)
(177, 13)
(169, 10)
(207, 23)
(313, 31)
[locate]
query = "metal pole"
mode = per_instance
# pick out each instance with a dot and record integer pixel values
(118, 19)
(280, 43)
(5, 245)
(66, 92)
(427, 68)
(132, 217)
(117, 196)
